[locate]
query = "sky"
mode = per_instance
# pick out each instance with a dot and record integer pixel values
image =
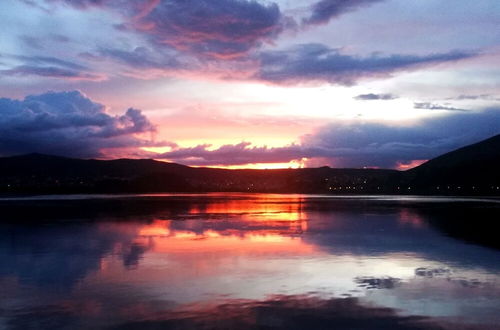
(249, 84)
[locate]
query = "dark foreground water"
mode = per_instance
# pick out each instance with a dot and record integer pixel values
(234, 261)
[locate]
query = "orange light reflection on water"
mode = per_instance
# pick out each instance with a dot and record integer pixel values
(162, 239)
(263, 208)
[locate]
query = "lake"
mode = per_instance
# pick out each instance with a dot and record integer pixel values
(249, 261)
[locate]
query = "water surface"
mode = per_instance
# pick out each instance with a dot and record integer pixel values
(248, 261)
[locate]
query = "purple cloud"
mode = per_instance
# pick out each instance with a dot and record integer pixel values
(316, 62)
(432, 106)
(32, 42)
(487, 97)
(69, 124)
(215, 29)
(357, 144)
(141, 57)
(325, 10)
(52, 72)
(222, 29)
(373, 97)
(238, 154)
(46, 66)
(82, 4)
(48, 60)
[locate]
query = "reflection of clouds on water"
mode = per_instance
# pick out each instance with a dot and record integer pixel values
(58, 256)
(370, 282)
(471, 300)
(432, 272)
(276, 312)
(210, 251)
(381, 233)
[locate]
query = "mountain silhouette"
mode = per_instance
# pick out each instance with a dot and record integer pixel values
(474, 166)
(469, 170)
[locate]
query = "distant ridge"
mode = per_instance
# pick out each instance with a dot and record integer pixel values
(471, 170)
(476, 166)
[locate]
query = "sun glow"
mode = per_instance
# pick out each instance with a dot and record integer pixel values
(264, 166)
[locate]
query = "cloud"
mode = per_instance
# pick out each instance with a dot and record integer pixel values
(223, 39)
(52, 72)
(214, 29)
(385, 145)
(222, 29)
(325, 10)
(68, 124)
(472, 97)
(82, 4)
(46, 66)
(238, 154)
(71, 124)
(32, 42)
(317, 62)
(143, 58)
(432, 106)
(371, 97)
(357, 144)
(48, 60)
(475, 97)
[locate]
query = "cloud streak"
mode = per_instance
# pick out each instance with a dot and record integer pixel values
(52, 72)
(432, 106)
(374, 97)
(237, 154)
(319, 63)
(51, 67)
(325, 10)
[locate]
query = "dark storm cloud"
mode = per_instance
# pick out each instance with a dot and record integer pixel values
(325, 10)
(372, 97)
(432, 106)
(317, 62)
(358, 144)
(66, 123)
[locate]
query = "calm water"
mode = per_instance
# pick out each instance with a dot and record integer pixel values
(233, 261)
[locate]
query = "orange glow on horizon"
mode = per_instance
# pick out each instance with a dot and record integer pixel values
(255, 166)
(261, 166)
(414, 163)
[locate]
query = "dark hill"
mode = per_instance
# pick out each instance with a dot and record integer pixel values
(469, 170)
(472, 168)
(36, 173)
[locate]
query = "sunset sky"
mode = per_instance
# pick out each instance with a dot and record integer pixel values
(237, 83)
